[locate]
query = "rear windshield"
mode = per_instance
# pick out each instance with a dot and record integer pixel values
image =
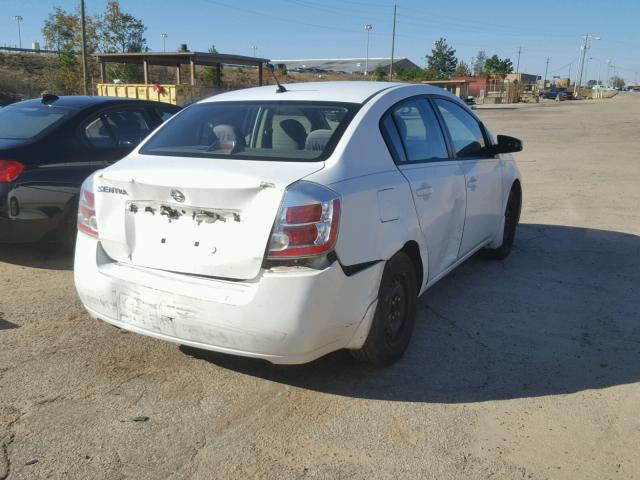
(22, 122)
(293, 131)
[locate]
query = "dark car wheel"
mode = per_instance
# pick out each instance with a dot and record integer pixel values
(511, 216)
(68, 230)
(395, 314)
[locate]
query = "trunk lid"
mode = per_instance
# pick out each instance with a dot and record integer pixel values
(198, 216)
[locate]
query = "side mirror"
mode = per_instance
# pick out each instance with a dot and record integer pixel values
(506, 144)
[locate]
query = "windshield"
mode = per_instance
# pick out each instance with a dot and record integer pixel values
(23, 122)
(293, 131)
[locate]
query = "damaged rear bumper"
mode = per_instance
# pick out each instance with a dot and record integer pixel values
(285, 315)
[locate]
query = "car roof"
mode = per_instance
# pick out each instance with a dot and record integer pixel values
(341, 91)
(80, 102)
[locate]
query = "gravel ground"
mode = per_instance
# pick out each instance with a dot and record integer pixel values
(526, 368)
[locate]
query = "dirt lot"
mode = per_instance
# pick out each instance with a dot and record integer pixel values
(527, 368)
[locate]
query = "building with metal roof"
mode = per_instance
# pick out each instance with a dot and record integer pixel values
(344, 65)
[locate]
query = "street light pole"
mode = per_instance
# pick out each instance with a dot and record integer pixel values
(18, 19)
(518, 63)
(164, 41)
(368, 28)
(255, 50)
(393, 40)
(583, 53)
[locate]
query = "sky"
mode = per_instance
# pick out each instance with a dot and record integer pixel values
(296, 29)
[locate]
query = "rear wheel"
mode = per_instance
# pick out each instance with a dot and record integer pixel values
(395, 314)
(511, 216)
(68, 230)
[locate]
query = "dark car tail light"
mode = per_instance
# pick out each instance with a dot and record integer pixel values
(307, 224)
(10, 170)
(87, 222)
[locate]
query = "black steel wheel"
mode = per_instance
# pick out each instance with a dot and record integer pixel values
(394, 319)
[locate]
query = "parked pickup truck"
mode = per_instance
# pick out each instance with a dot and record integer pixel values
(557, 93)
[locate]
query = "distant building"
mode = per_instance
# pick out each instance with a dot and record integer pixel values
(344, 65)
(475, 84)
(522, 78)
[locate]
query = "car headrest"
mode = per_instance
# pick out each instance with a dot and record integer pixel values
(317, 140)
(295, 131)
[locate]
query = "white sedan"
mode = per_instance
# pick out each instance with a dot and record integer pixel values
(285, 225)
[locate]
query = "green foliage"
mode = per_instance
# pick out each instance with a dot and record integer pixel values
(462, 70)
(114, 31)
(378, 74)
(497, 66)
(213, 75)
(442, 61)
(478, 63)
(121, 32)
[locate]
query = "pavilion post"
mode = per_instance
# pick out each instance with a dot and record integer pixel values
(260, 74)
(103, 73)
(145, 70)
(178, 75)
(192, 71)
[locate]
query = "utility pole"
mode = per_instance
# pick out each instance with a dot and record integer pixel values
(164, 41)
(393, 41)
(368, 28)
(18, 19)
(583, 53)
(83, 46)
(546, 69)
(586, 71)
(518, 63)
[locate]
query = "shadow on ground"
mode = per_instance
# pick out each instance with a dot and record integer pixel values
(560, 315)
(48, 256)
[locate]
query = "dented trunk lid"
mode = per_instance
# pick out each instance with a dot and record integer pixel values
(198, 216)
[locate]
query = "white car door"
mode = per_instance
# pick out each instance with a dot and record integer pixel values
(413, 133)
(483, 174)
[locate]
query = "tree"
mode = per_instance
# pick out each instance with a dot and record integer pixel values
(497, 66)
(478, 63)
(616, 82)
(61, 31)
(121, 32)
(442, 61)
(213, 75)
(378, 74)
(462, 70)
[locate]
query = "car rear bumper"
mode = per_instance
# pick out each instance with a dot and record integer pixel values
(285, 315)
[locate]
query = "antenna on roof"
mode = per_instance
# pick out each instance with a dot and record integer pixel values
(272, 69)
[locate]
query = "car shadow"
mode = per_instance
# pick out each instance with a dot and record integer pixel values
(43, 255)
(560, 315)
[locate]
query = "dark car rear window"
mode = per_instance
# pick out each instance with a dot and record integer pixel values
(287, 130)
(23, 122)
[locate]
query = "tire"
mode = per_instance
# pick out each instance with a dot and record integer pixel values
(68, 230)
(394, 319)
(511, 217)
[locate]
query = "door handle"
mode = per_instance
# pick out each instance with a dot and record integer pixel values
(472, 183)
(424, 191)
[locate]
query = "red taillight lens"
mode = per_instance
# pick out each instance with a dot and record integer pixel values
(10, 170)
(87, 222)
(308, 222)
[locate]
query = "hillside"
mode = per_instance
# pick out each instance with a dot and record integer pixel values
(23, 75)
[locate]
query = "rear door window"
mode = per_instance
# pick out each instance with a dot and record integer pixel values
(99, 135)
(419, 131)
(128, 126)
(288, 130)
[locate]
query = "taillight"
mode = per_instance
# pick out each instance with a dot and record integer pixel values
(307, 224)
(87, 209)
(10, 170)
